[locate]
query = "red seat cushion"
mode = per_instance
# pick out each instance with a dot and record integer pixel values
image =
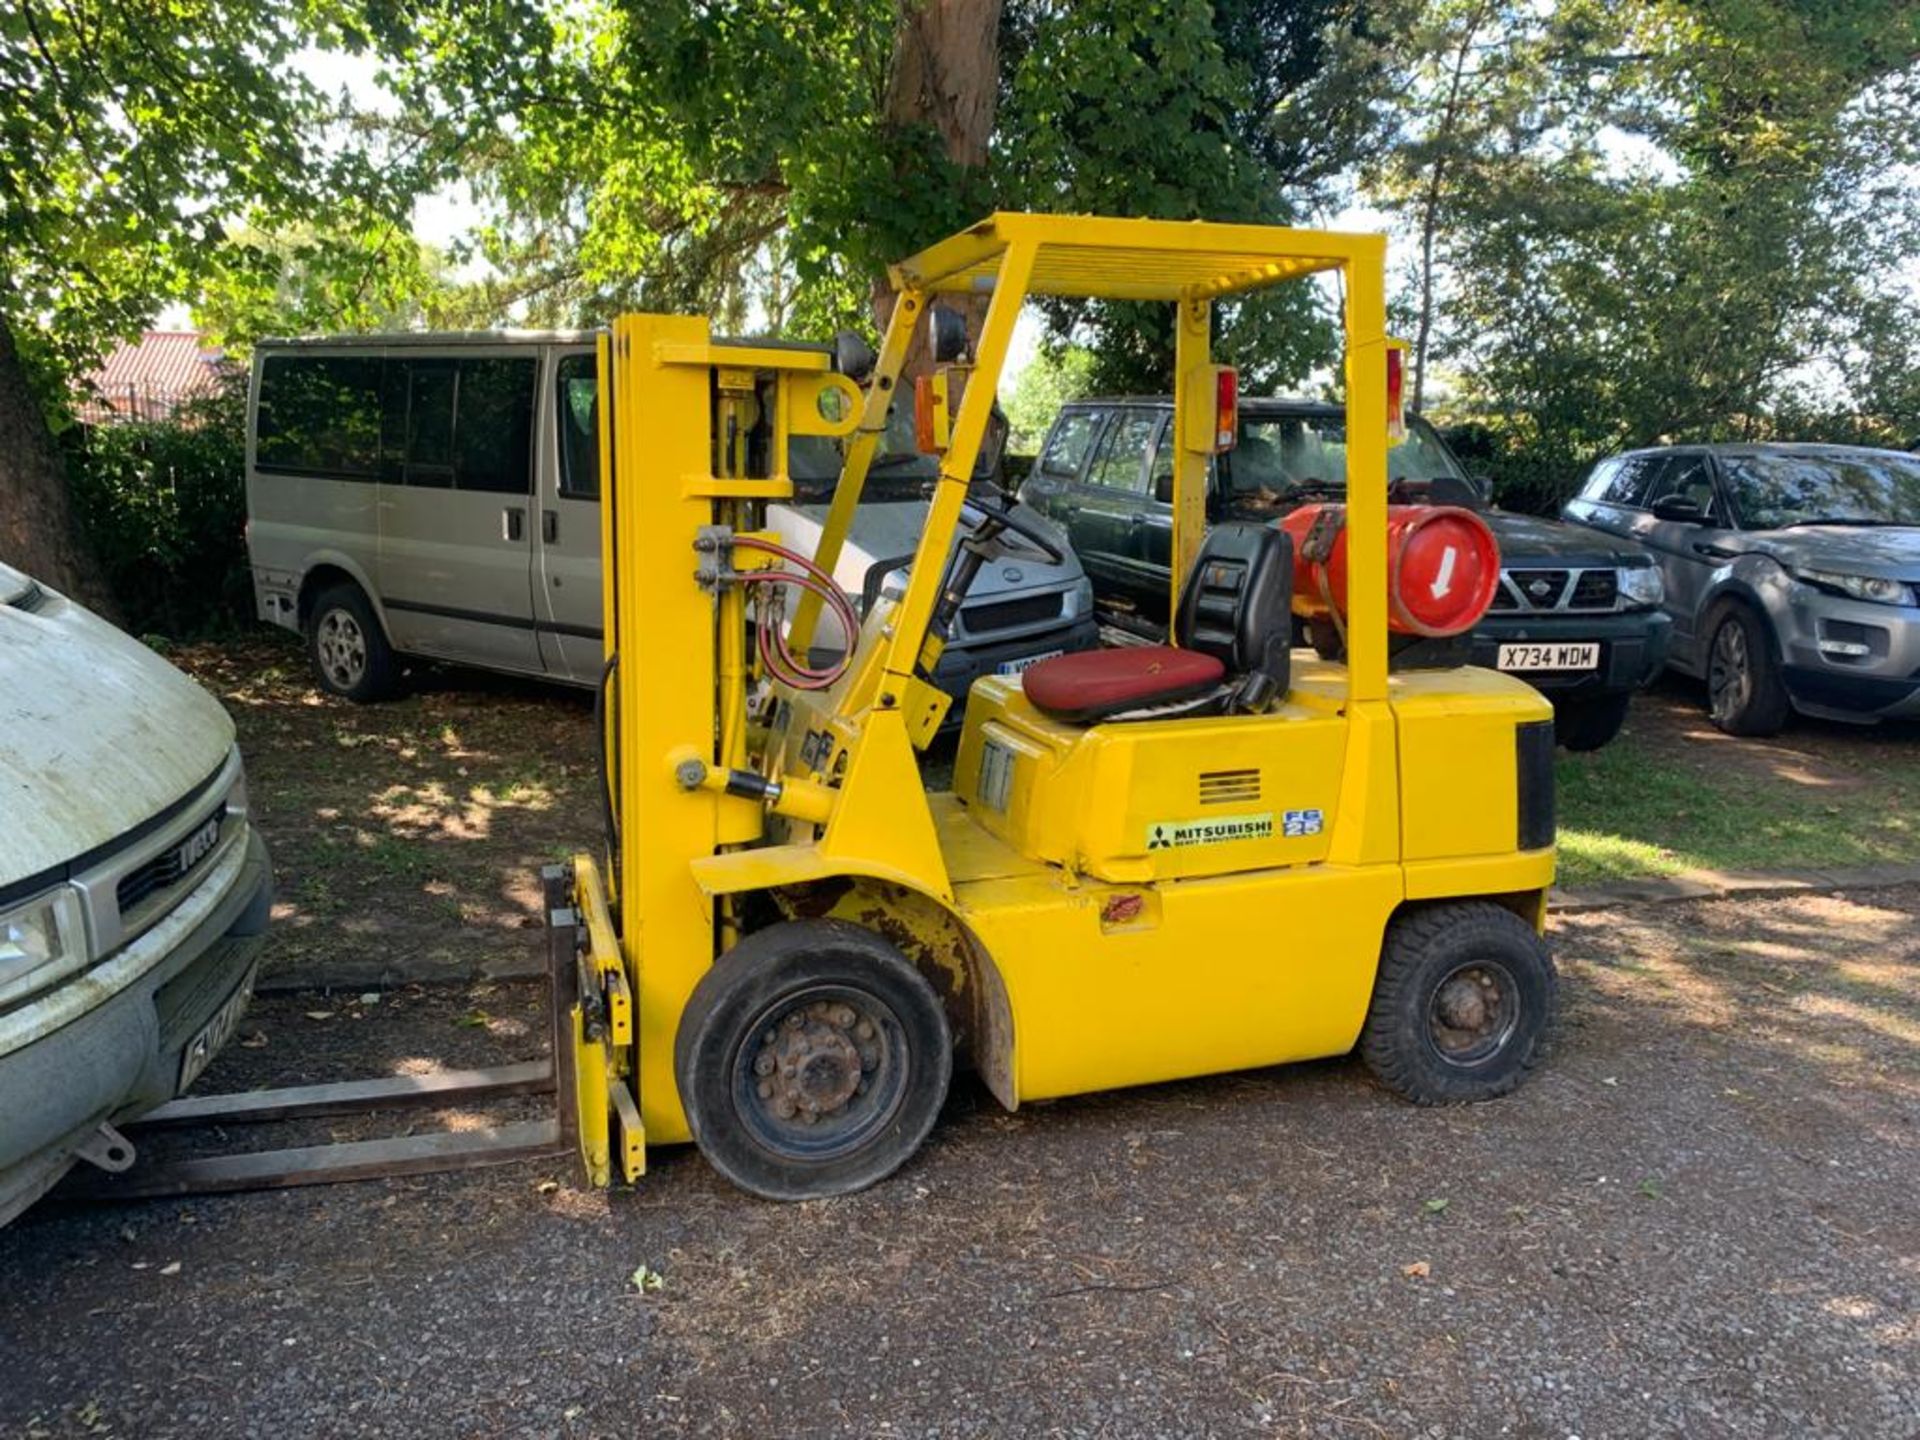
(1091, 684)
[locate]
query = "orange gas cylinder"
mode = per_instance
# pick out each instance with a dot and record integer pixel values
(1443, 566)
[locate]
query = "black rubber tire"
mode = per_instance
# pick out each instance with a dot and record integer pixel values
(1327, 641)
(1425, 947)
(749, 993)
(1761, 706)
(1582, 725)
(337, 608)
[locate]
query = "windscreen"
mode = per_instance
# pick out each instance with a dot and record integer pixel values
(899, 471)
(1284, 458)
(1867, 487)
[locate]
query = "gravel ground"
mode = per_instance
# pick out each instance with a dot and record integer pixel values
(1699, 1219)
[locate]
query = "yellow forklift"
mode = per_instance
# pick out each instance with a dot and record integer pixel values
(1155, 861)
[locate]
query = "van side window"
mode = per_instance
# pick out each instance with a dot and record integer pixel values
(493, 436)
(428, 458)
(461, 424)
(577, 412)
(1067, 447)
(319, 415)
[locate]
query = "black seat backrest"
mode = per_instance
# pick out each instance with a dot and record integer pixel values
(1238, 604)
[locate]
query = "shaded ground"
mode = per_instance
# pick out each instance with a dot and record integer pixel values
(1699, 1218)
(407, 837)
(1673, 794)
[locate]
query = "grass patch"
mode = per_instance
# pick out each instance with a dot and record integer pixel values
(1644, 807)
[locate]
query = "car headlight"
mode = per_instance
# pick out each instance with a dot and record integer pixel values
(1643, 585)
(1860, 587)
(41, 941)
(1082, 602)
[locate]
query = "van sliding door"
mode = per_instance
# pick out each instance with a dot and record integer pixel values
(456, 507)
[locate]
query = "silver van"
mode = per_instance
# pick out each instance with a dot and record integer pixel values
(134, 890)
(438, 496)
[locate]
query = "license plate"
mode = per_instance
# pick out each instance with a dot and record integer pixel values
(215, 1033)
(1014, 667)
(1584, 655)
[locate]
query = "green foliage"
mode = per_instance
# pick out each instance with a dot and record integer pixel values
(135, 133)
(164, 503)
(743, 159)
(1181, 110)
(303, 281)
(1055, 375)
(1656, 221)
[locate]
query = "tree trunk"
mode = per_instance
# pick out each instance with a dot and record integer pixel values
(39, 533)
(1430, 210)
(945, 73)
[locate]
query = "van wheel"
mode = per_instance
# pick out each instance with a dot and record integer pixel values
(349, 650)
(812, 1060)
(1745, 694)
(1461, 1005)
(1590, 724)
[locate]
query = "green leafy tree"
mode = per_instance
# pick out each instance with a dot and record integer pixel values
(134, 134)
(1055, 375)
(1587, 300)
(765, 162)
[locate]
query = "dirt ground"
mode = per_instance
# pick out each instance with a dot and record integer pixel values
(1699, 1218)
(1819, 754)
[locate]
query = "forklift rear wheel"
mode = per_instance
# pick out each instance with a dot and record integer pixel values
(812, 1060)
(1461, 1005)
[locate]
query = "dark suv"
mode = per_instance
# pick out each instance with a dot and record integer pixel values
(1577, 614)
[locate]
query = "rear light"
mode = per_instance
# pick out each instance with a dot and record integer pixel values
(1226, 408)
(1396, 392)
(1210, 415)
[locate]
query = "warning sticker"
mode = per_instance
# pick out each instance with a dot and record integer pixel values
(1214, 830)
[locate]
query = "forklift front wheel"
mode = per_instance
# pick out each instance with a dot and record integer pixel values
(1462, 1003)
(812, 1060)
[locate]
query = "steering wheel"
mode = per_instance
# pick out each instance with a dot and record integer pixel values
(1001, 519)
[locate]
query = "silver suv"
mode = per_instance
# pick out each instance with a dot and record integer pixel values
(1792, 572)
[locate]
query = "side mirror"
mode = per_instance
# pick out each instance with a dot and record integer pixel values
(993, 447)
(946, 334)
(1163, 489)
(853, 357)
(1483, 487)
(1680, 510)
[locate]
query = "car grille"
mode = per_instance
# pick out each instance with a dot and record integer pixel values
(173, 864)
(1595, 590)
(985, 618)
(1559, 591)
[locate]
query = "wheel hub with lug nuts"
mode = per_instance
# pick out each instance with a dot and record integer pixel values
(343, 649)
(1462, 1005)
(1472, 1013)
(815, 1060)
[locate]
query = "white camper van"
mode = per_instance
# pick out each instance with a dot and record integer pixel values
(438, 495)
